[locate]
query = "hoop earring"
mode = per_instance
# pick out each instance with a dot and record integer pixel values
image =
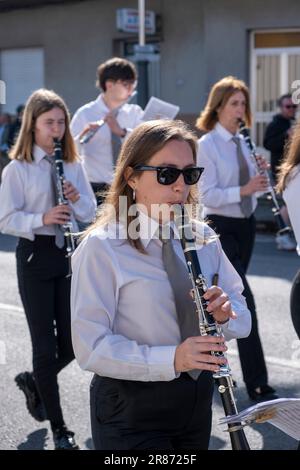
(133, 195)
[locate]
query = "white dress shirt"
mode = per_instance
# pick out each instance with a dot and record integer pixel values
(291, 196)
(97, 153)
(219, 183)
(26, 193)
(124, 321)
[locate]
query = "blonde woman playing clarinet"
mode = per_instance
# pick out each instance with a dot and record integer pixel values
(134, 324)
(28, 210)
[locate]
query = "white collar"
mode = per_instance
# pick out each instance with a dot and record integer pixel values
(224, 133)
(38, 154)
(149, 229)
(101, 103)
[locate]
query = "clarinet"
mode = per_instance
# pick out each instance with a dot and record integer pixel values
(208, 326)
(61, 200)
(282, 227)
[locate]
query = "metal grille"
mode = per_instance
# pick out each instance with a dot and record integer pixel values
(274, 71)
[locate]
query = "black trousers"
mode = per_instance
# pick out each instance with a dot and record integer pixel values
(128, 414)
(99, 190)
(45, 293)
(295, 303)
(237, 237)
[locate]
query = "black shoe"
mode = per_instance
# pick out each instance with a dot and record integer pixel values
(263, 393)
(26, 383)
(64, 439)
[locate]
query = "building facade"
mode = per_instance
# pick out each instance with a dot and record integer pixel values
(58, 45)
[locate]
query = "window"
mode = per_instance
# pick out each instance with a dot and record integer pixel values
(275, 64)
(22, 70)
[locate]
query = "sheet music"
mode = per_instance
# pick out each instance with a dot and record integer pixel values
(159, 109)
(284, 413)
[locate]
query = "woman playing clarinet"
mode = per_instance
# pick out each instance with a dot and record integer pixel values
(29, 211)
(134, 324)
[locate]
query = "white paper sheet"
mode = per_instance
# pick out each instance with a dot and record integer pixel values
(159, 109)
(284, 413)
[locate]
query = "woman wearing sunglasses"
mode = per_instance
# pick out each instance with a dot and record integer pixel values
(125, 327)
(229, 188)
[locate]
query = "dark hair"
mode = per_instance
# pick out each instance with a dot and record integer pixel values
(283, 97)
(20, 108)
(115, 69)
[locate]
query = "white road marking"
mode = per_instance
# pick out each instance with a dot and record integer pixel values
(276, 361)
(14, 309)
(19, 312)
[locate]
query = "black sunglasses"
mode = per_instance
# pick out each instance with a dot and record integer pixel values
(168, 174)
(290, 106)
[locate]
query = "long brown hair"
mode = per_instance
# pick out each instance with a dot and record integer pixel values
(217, 99)
(291, 159)
(41, 101)
(145, 140)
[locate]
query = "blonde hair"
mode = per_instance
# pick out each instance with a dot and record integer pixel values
(41, 101)
(291, 159)
(217, 99)
(145, 140)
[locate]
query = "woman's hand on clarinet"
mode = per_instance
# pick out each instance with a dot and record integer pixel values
(219, 304)
(70, 192)
(57, 215)
(195, 353)
(262, 163)
(259, 183)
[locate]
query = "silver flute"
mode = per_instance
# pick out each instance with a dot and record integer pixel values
(87, 137)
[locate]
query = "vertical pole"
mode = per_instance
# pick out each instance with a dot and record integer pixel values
(142, 63)
(141, 22)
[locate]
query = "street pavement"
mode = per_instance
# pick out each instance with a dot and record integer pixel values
(270, 276)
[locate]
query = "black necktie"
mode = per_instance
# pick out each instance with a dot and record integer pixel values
(59, 234)
(181, 285)
(244, 176)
